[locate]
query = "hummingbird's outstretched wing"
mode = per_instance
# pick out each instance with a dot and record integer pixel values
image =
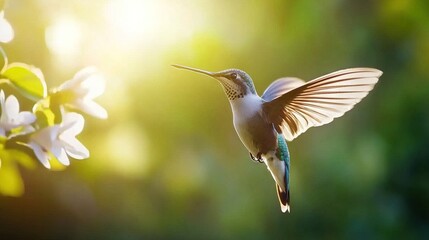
(280, 87)
(318, 101)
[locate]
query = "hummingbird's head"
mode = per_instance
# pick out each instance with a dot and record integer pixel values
(236, 83)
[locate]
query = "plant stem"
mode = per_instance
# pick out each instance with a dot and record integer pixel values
(3, 53)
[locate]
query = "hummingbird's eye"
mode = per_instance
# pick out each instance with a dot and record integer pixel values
(233, 75)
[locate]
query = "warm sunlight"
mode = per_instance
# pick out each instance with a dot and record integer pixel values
(133, 22)
(126, 151)
(145, 150)
(64, 37)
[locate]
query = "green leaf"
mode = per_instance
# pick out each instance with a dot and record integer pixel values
(55, 164)
(55, 102)
(16, 150)
(22, 158)
(11, 183)
(27, 79)
(45, 116)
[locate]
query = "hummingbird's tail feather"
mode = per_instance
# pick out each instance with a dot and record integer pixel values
(284, 199)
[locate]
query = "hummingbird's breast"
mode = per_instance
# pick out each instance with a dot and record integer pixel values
(257, 135)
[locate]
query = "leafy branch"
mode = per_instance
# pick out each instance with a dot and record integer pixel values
(48, 132)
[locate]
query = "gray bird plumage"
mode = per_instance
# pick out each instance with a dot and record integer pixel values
(287, 108)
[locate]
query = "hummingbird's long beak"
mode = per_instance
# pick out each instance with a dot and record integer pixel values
(194, 70)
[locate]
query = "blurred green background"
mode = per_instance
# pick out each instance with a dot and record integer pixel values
(167, 164)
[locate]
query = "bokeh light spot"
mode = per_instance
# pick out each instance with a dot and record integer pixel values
(64, 37)
(126, 151)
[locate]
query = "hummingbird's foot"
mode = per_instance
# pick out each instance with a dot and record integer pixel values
(258, 158)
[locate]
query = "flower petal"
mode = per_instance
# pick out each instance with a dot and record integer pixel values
(3, 111)
(76, 149)
(95, 86)
(25, 130)
(1, 98)
(2, 132)
(46, 136)
(77, 79)
(72, 124)
(26, 118)
(6, 30)
(11, 117)
(11, 108)
(40, 154)
(90, 107)
(60, 154)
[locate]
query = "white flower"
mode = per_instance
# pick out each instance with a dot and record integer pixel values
(6, 31)
(60, 140)
(82, 89)
(11, 117)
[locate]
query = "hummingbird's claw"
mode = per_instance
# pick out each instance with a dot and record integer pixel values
(257, 159)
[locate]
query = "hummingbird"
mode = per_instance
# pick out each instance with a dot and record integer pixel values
(287, 108)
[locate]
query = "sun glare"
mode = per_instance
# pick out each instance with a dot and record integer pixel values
(64, 37)
(119, 29)
(130, 20)
(135, 22)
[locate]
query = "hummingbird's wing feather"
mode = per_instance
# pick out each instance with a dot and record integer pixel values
(280, 87)
(319, 101)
